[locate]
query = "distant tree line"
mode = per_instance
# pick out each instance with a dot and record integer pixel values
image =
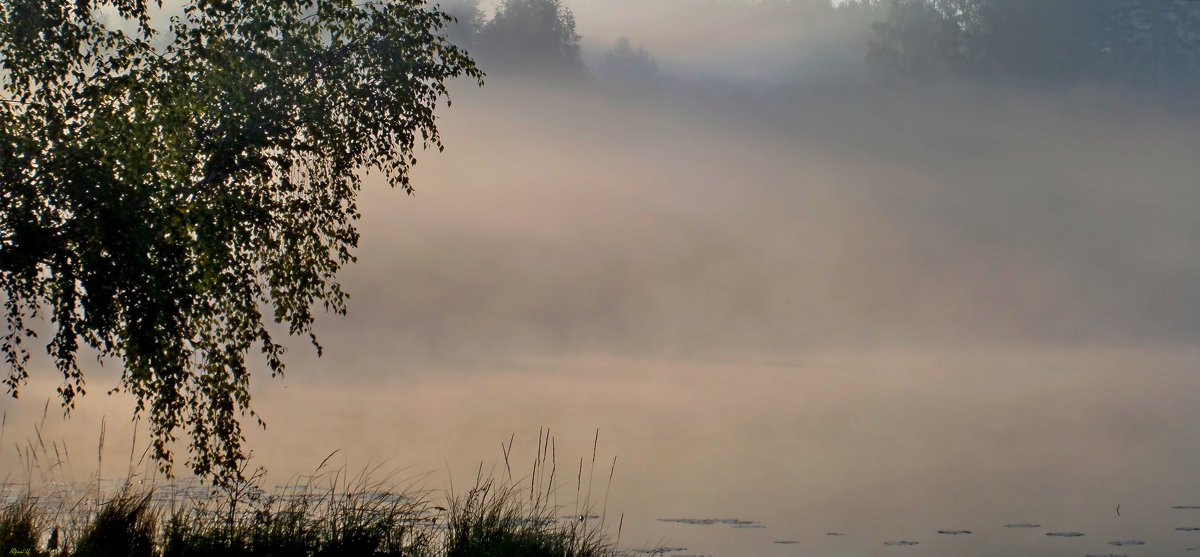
(531, 35)
(1139, 42)
(1148, 43)
(627, 63)
(539, 36)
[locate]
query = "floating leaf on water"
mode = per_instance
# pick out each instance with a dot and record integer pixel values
(1188, 528)
(954, 532)
(1120, 543)
(532, 520)
(1022, 525)
(736, 523)
(661, 550)
(700, 521)
(383, 496)
(901, 542)
(1065, 534)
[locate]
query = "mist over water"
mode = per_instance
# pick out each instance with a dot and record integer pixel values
(881, 315)
(570, 220)
(782, 295)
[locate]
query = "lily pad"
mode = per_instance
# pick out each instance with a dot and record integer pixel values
(736, 523)
(700, 521)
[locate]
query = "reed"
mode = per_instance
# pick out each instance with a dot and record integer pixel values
(125, 526)
(501, 517)
(20, 528)
(332, 512)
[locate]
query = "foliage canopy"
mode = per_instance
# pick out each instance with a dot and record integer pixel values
(1141, 42)
(468, 20)
(163, 188)
(532, 35)
(626, 63)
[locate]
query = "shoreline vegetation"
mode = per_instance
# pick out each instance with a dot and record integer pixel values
(330, 512)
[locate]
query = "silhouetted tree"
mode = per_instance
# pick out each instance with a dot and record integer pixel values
(1154, 42)
(1141, 41)
(625, 63)
(916, 40)
(532, 35)
(468, 20)
(157, 196)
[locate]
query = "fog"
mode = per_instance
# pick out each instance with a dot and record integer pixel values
(780, 290)
(761, 215)
(571, 221)
(764, 45)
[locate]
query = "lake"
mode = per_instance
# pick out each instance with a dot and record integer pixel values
(931, 325)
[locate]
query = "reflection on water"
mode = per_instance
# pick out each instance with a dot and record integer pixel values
(581, 517)
(964, 453)
(934, 550)
(172, 494)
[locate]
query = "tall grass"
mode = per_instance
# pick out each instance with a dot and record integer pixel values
(20, 528)
(504, 518)
(126, 526)
(491, 519)
(352, 515)
(329, 513)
